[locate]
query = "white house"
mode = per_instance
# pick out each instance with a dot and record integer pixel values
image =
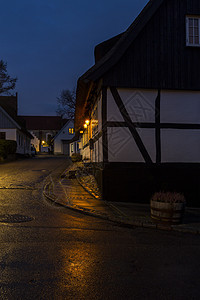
(11, 127)
(63, 137)
(142, 101)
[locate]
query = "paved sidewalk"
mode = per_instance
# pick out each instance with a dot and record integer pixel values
(82, 194)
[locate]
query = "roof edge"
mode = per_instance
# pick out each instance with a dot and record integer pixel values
(116, 52)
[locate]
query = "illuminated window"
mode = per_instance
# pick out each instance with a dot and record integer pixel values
(193, 31)
(71, 130)
(72, 147)
(2, 135)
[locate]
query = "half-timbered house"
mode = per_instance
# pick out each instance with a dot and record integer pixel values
(142, 102)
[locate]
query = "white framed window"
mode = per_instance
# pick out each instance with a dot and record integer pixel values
(193, 31)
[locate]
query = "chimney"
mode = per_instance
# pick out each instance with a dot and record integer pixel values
(10, 101)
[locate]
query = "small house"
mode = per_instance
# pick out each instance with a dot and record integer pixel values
(62, 138)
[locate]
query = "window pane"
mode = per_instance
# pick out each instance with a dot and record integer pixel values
(196, 40)
(196, 31)
(191, 40)
(191, 22)
(190, 31)
(196, 22)
(193, 31)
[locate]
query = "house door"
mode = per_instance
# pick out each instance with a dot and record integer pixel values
(65, 147)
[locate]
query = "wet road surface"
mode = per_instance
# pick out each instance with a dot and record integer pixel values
(55, 253)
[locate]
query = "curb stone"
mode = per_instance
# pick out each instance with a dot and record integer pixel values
(120, 221)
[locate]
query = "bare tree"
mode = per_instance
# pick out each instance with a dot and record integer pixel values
(7, 83)
(66, 104)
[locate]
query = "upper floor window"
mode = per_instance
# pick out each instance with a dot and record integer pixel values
(71, 130)
(193, 31)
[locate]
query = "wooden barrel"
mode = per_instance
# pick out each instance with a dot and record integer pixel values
(170, 213)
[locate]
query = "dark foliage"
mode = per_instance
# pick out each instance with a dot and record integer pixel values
(7, 83)
(66, 104)
(7, 147)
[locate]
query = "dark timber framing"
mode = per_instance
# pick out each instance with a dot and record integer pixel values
(130, 125)
(157, 123)
(104, 125)
(153, 125)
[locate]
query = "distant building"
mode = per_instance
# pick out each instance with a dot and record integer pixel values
(63, 137)
(43, 129)
(142, 101)
(12, 127)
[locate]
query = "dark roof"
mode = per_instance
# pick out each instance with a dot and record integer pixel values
(116, 52)
(5, 104)
(11, 111)
(104, 47)
(75, 138)
(120, 45)
(44, 122)
(11, 101)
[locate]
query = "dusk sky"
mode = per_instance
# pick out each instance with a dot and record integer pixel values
(48, 44)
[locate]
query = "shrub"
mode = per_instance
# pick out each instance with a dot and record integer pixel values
(76, 157)
(168, 197)
(7, 147)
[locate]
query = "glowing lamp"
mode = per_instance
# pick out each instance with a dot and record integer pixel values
(85, 125)
(87, 122)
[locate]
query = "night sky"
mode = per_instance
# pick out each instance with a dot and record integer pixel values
(48, 44)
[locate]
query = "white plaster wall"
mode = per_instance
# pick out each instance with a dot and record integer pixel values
(10, 134)
(57, 146)
(100, 113)
(97, 152)
(86, 152)
(180, 107)
(24, 147)
(122, 146)
(140, 104)
(35, 141)
(64, 132)
(100, 150)
(180, 145)
(93, 153)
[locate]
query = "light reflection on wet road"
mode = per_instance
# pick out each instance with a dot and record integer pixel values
(61, 254)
